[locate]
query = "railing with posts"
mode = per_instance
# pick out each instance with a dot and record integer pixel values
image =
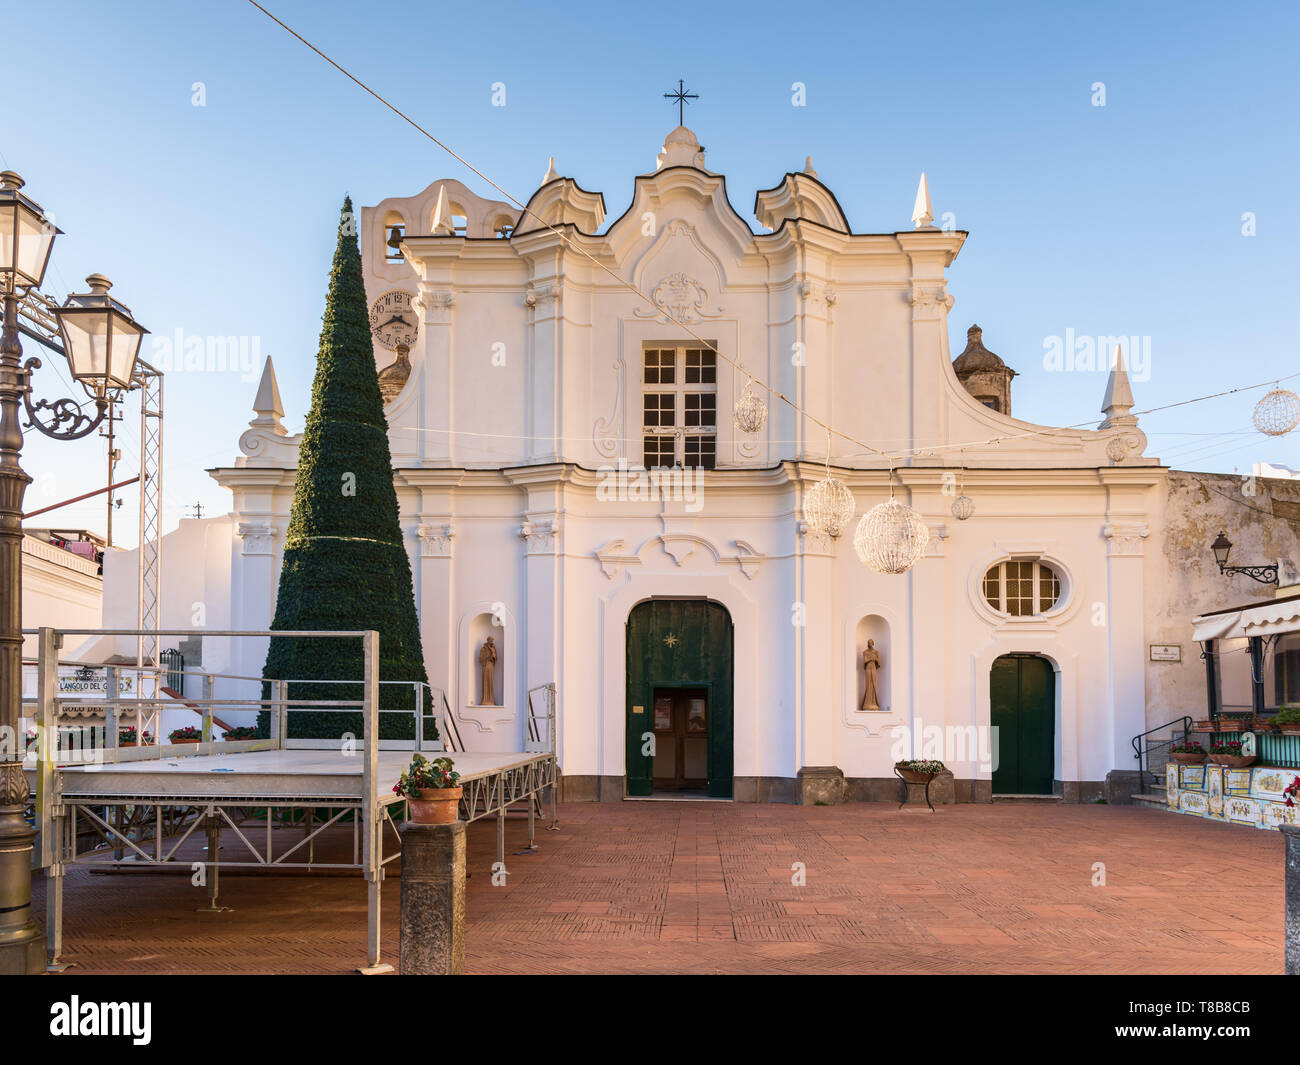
(1144, 747)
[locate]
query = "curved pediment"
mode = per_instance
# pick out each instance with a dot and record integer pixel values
(563, 202)
(680, 195)
(801, 197)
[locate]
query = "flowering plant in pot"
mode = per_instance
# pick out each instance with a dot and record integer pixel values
(919, 770)
(432, 790)
(1188, 753)
(240, 732)
(1228, 752)
(1291, 791)
(126, 737)
(188, 734)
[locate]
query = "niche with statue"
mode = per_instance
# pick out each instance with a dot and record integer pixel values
(874, 667)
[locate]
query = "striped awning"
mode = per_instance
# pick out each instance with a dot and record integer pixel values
(1266, 619)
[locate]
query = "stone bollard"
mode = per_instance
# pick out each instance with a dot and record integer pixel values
(432, 934)
(1292, 834)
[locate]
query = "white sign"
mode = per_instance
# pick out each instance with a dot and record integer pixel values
(1166, 652)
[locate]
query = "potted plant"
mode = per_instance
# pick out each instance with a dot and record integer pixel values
(188, 734)
(1291, 791)
(431, 790)
(1288, 719)
(126, 737)
(1206, 725)
(919, 770)
(1228, 753)
(241, 732)
(1188, 753)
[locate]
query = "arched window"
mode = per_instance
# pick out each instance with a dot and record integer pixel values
(1022, 587)
(393, 240)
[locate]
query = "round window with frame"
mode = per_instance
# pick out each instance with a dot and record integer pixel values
(1022, 587)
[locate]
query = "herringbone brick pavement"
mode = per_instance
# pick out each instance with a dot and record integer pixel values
(715, 887)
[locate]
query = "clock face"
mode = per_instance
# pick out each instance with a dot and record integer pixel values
(393, 320)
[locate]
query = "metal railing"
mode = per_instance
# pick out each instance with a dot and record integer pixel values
(1143, 746)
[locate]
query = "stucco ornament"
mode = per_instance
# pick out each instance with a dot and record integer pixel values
(1278, 412)
(1117, 449)
(751, 412)
(890, 537)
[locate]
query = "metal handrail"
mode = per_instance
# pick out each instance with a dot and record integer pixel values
(1140, 748)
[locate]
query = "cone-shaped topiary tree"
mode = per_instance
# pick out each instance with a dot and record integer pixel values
(345, 566)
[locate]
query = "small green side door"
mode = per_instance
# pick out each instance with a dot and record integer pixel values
(1022, 704)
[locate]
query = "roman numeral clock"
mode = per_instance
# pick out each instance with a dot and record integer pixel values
(394, 325)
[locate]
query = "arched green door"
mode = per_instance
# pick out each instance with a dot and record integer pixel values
(679, 690)
(1022, 695)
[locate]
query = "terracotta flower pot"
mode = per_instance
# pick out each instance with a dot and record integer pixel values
(126, 743)
(913, 776)
(185, 741)
(1232, 761)
(435, 806)
(1187, 757)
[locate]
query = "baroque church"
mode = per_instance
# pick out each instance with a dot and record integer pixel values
(533, 372)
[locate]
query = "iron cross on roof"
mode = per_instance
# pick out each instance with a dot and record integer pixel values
(682, 97)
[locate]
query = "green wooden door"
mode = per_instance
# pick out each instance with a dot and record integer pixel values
(679, 643)
(1022, 696)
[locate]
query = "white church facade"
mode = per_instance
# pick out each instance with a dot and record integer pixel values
(529, 388)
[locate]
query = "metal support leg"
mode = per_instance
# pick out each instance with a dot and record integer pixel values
(54, 896)
(554, 826)
(501, 832)
(212, 825)
(532, 822)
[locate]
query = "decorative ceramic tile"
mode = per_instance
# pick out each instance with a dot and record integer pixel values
(1241, 811)
(1269, 783)
(1237, 781)
(1275, 814)
(1193, 777)
(1192, 802)
(1171, 791)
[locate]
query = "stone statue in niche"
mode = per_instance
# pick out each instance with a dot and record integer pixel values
(871, 663)
(487, 664)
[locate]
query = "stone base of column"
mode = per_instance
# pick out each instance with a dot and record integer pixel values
(821, 784)
(432, 929)
(1292, 835)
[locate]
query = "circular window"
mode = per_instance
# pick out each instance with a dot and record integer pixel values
(1022, 587)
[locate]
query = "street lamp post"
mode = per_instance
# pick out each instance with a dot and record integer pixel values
(100, 341)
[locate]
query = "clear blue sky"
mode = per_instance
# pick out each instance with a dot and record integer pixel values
(1123, 219)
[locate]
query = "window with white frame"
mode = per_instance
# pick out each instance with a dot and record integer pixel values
(679, 405)
(1022, 587)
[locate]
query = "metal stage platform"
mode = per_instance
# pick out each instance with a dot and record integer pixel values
(261, 803)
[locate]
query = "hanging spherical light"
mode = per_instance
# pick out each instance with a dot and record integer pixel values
(829, 506)
(1277, 413)
(963, 507)
(891, 536)
(751, 412)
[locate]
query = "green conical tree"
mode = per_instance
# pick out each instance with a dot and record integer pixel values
(345, 566)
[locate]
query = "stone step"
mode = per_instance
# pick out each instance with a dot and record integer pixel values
(1149, 799)
(1029, 798)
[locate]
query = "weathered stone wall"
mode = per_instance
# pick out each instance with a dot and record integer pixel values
(1262, 519)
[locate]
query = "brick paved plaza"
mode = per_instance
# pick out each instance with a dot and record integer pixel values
(706, 887)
